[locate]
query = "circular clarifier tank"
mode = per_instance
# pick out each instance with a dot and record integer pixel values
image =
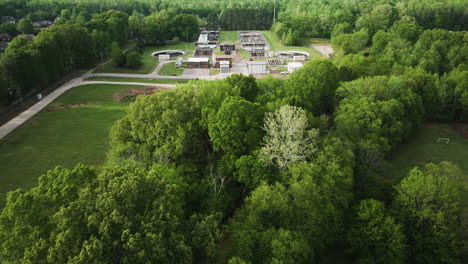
(171, 53)
(291, 54)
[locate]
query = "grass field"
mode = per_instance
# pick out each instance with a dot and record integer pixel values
(64, 137)
(276, 45)
(141, 80)
(149, 62)
(228, 37)
(423, 148)
(169, 69)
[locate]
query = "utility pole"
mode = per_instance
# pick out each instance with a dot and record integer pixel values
(186, 49)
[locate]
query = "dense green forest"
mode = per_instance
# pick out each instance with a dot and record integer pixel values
(253, 171)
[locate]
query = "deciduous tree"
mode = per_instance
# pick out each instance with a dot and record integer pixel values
(375, 237)
(288, 137)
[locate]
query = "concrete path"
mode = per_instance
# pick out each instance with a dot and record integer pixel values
(30, 112)
(161, 85)
(187, 74)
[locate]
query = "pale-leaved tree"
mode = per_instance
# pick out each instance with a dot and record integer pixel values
(288, 138)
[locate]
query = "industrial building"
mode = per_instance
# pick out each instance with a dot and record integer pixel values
(207, 42)
(208, 39)
(220, 58)
(257, 67)
(224, 67)
(227, 48)
(293, 66)
(198, 63)
(202, 52)
(254, 43)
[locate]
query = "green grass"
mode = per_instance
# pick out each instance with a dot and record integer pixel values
(276, 45)
(169, 69)
(65, 137)
(149, 62)
(188, 47)
(141, 80)
(423, 148)
(228, 37)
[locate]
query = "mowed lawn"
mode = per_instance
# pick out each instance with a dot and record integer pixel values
(230, 37)
(149, 62)
(169, 69)
(65, 137)
(276, 45)
(423, 148)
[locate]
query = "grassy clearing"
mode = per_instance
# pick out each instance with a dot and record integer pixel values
(149, 62)
(423, 148)
(276, 45)
(141, 80)
(65, 137)
(228, 37)
(169, 69)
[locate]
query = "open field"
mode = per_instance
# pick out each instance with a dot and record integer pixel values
(169, 69)
(423, 148)
(63, 137)
(149, 62)
(228, 37)
(141, 80)
(276, 45)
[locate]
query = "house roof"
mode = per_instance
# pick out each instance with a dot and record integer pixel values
(5, 36)
(8, 19)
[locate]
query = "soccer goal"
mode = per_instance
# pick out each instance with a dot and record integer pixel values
(443, 140)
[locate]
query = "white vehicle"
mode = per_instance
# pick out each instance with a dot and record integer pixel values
(284, 72)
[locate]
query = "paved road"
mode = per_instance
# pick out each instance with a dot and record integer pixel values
(30, 112)
(237, 68)
(161, 85)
